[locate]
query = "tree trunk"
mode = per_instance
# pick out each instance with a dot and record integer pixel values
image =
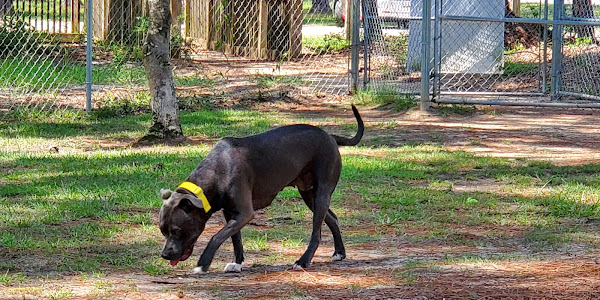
(6, 7)
(166, 127)
(320, 7)
(584, 9)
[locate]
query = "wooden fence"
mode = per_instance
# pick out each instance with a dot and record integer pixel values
(53, 16)
(264, 29)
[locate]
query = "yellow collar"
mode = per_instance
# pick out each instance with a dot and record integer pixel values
(196, 190)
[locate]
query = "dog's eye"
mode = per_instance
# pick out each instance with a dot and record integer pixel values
(176, 231)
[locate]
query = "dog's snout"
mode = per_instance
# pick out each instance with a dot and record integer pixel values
(170, 254)
(169, 251)
(167, 256)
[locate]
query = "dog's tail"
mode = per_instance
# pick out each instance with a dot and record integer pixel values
(342, 141)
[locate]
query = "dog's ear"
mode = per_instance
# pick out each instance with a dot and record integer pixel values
(165, 194)
(190, 203)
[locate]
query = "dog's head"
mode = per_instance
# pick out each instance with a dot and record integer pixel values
(182, 220)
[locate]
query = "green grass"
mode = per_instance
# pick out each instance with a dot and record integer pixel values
(86, 209)
(385, 96)
(514, 68)
(320, 19)
(317, 19)
(15, 73)
(269, 81)
(330, 43)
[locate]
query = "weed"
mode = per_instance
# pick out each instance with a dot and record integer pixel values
(7, 279)
(398, 46)
(114, 106)
(61, 293)
(255, 240)
(195, 80)
(16, 39)
(156, 267)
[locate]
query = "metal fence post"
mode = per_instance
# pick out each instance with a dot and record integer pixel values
(544, 88)
(557, 41)
(437, 48)
(88, 59)
(425, 54)
(355, 44)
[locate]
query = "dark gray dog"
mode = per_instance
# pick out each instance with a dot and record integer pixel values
(241, 175)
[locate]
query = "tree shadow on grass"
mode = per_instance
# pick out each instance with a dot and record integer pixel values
(213, 124)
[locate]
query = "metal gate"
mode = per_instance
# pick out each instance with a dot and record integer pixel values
(536, 53)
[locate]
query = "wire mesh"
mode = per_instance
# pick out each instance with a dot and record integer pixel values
(299, 42)
(40, 54)
(386, 58)
(580, 76)
(118, 75)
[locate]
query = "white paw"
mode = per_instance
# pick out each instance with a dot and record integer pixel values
(198, 271)
(297, 267)
(337, 257)
(233, 268)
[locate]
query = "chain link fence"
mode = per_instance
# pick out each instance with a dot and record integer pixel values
(220, 49)
(387, 43)
(40, 57)
(226, 50)
(298, 42)
(580, 51)
(488, 51)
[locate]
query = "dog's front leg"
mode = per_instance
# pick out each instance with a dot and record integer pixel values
(233, 226)
(238, 248)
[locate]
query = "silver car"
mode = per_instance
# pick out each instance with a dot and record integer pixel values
(387, 10)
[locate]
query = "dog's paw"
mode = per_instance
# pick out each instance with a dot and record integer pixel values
(338, 257)
(233, 268)
(199, 271)
(297, 267)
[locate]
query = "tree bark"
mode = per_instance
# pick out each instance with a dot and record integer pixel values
(165, 127)
(320, 7)
(584, 9)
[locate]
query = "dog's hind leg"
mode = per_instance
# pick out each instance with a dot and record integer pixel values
(320, 209)
(332, 222)
(238, 248)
